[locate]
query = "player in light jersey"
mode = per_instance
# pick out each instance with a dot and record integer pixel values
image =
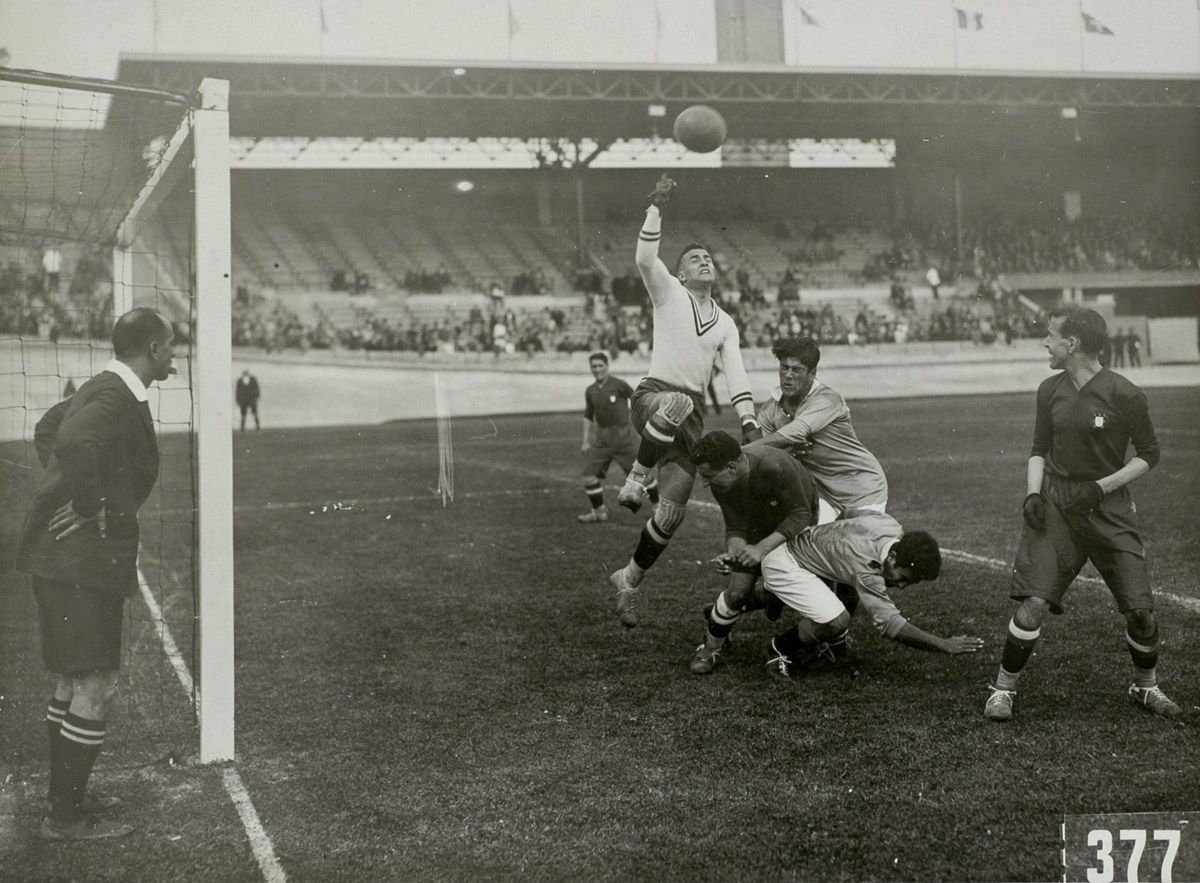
(872, 553)
(813, 422)
(690, 333)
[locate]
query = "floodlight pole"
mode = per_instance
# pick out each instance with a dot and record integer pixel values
(214, 418)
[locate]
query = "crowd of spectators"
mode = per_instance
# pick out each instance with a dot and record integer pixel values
(422, 281)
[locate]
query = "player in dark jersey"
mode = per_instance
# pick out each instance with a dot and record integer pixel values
(608, 435)
(767, 498)
(1078, 506)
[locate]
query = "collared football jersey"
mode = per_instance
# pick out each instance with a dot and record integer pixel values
(847, 474)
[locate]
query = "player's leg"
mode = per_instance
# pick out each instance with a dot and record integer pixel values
(675, 485)
(626, 455)
(720, 617)
(243, 408)
(254, 407)
(658, 416)
(1047, 561)
(594, 470)
(81, 643)
(822, 629)
(1127, 578)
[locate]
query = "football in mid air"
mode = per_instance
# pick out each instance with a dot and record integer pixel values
(700, 128)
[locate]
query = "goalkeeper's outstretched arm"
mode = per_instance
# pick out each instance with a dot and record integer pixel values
(659, 281)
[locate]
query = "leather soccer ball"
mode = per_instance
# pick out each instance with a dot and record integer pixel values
(700, 129)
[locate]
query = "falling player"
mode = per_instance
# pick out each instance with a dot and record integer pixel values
(1078, 506)
(690, 333)
(766, 498)
(608, 435)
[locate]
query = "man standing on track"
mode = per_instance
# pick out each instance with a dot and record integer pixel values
(691, 332)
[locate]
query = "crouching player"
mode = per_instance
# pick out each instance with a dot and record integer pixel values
(872, 553)
(766, 498)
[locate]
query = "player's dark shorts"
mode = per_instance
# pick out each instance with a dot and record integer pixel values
(80, 627)
(618, 443)
(648, 398)
(1049, 560)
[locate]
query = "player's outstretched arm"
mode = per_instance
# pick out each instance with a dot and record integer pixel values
(738, 384)
(659, 281)
(912, 636)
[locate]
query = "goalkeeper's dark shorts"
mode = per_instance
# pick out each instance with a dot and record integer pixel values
(80, 627)
(1049, 560)
(648, 398)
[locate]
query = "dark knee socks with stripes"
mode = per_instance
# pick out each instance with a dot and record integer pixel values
(74, 746)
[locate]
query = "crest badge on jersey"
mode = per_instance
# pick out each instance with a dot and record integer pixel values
(612, 399)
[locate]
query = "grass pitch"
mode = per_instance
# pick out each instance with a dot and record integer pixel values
(431, 691)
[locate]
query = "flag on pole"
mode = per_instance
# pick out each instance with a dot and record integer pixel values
(807, 19)
(513, 24)
(1092, 26)
(969, 20)
(321, 13)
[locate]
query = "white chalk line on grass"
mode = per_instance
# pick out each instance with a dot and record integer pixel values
(260, 841)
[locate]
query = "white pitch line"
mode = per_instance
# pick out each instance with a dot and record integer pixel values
(260, 841)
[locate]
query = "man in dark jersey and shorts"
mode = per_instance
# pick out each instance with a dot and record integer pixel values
(767, 498)
(608, 435)
(1078, 507)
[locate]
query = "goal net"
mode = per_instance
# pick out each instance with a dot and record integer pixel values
(111, 197)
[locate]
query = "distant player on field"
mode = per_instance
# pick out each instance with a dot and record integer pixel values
(766, 498)
(608, 435)
(690, 333)
(1078, 506)
(872, 553)
(812, 421)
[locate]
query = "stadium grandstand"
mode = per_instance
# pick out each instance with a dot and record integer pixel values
(411, 205)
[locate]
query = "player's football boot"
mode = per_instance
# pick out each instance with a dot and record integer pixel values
(704, 660)
(780, 665)
(627, 596)
(999, 704)
(632, 494)
(86, 828)
(96, 803)
(1154, 700)
(594, 516)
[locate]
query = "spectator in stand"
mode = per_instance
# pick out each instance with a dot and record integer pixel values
(52, 265)
(934, 278)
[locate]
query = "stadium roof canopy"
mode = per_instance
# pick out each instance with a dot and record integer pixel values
(370, 98)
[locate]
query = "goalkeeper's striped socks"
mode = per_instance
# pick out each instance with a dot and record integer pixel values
(1144, 652)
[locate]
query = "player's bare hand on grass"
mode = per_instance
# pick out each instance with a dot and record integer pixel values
(664, 189)
(67, 521)
(960, 644)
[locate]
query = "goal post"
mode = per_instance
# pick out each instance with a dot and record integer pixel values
(104, 173)
(199, 149)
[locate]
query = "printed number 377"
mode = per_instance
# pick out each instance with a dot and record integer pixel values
(1103, 841)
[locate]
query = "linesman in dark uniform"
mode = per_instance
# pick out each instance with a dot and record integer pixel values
(1078, 506)
(608, 435)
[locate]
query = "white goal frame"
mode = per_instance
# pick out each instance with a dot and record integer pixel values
(202, 143)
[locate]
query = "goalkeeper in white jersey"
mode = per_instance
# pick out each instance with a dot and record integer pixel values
(690, 334)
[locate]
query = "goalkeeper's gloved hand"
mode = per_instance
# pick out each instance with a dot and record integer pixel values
(663, 190)
(1033, 510)
(751, 431)
(1088, 498)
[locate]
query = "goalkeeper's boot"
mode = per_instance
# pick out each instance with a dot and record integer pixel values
(704, 660)
(632, 494)
(999, 704)
(85, 828)
(594, 516)
(1154, 700)
(627, 596)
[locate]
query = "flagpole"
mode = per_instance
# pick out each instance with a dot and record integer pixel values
(1082, 36)
(953, 18)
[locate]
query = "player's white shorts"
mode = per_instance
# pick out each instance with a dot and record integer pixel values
(827, 512)
(804, 592)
